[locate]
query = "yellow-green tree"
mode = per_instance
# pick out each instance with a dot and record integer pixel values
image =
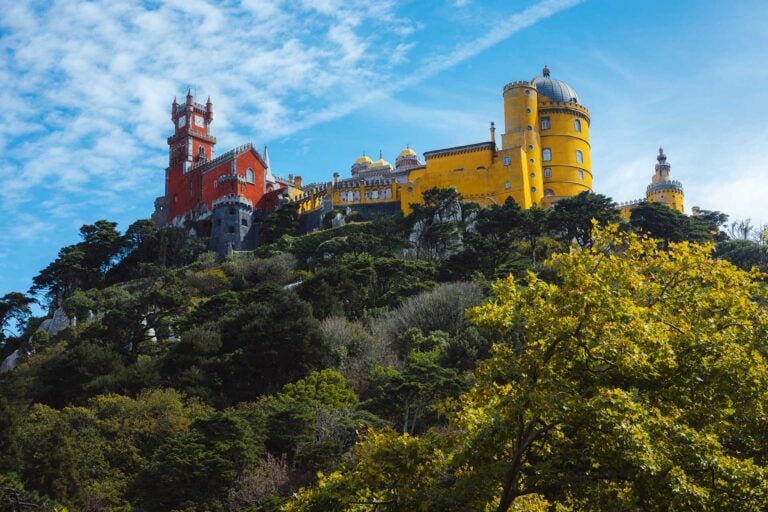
(635, 380)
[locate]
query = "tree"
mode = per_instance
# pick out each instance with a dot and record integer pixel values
(9, 444)
(571, 217)
(436, 234)
(83, 265)
(659, 221)
(195, 469)
(283, 221)
(623, 381)
(637, 380)
(14, 312)
(745, 254)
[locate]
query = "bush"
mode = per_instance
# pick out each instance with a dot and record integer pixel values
(249, 271)
(441, 309)
(353, 351)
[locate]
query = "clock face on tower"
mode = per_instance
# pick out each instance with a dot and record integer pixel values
(199, 121)
(182, 121)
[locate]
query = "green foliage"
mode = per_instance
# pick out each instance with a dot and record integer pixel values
(636, 382)
(572, 218)
(409, 398)
(659, 221)
(653, 388)
(283, 221)
(14, 312)
(9, 447)
(441, 309)
(745, 254)
(193, 470)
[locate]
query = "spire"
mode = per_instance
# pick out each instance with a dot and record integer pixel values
(380, 157)
(266, 157)
(545, 71)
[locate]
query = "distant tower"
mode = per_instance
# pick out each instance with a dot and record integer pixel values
(191, 144)
(662, 188)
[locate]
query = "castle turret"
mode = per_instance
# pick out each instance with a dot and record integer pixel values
(563, 128)
(663, 189)
(208, 111)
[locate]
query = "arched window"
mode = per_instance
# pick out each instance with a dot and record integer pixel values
(547, 172)
(201, 151)
(579, 157)
(577, 125)
(548, 192)
(249, 176)
(546, 154)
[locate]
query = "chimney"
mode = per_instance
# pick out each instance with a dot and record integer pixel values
(297, 181)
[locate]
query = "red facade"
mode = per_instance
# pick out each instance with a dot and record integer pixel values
(196, 179)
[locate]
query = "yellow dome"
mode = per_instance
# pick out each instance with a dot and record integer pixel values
(363, 160)
(381, 163)
(407, 152)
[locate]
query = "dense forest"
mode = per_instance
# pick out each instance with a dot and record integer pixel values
(457, 359)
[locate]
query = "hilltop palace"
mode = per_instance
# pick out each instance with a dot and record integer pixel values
(544, 156)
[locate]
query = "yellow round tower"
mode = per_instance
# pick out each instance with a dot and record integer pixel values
(663, 189)
(563, 127)
(520, 114)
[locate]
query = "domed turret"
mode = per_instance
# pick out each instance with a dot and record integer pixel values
(407, 159)
(361, 164)
(555, 90)
(663, 189)
(380, 163)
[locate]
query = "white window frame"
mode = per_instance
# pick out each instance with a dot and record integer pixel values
(579, 156)
(546, 155)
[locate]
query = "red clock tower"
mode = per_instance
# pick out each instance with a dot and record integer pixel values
(190, 145)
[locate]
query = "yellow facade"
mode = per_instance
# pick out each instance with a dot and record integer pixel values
(544, 156)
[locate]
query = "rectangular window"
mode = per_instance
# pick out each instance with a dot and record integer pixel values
(579, 157)
(507, 161)
(547, 172)
(546, 155)
(577, 125)
(581, 174)
(545, 123)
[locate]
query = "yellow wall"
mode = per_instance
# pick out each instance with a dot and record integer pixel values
(672, 199)
(564, 141)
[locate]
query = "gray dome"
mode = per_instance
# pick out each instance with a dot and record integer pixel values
(556, 90)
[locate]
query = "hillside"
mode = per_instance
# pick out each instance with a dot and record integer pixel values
(456, 359)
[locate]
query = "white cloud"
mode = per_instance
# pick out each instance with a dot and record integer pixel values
(91, 81)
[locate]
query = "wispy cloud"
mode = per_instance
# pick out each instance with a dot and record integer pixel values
(89, 84)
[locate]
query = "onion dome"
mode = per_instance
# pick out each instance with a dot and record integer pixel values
(555, 90)
(407, 159)
(361, 164)
(380, 163)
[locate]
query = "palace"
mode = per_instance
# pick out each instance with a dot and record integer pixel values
(543, 156)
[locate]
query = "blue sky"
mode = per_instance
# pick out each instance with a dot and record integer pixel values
(87, 87)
